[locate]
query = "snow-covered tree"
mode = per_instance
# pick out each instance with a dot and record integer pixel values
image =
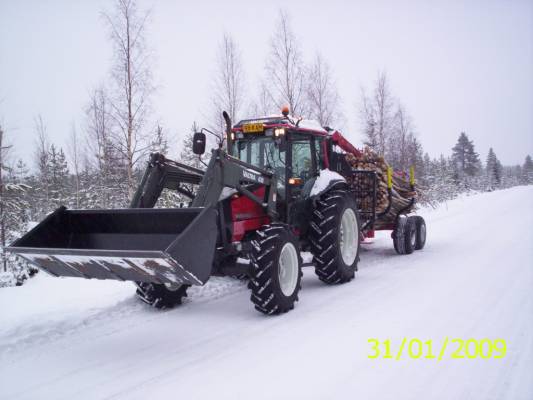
(186, 154)
(159, 143)
(59, 177)
(466, 161)
(13, 221)
(527, 171)
(109, 186)
(494, 170)
(21, 172)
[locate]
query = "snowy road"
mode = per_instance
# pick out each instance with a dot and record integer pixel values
(77, 339)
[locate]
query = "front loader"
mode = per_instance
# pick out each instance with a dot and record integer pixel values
(279, 189)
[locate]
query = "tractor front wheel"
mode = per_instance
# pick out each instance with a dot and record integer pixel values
(161, 296)
(276, 269)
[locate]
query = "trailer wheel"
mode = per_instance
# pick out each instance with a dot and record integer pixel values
(276, 269)
(410, 235)
(420, 232)
(161, 296)
(335, 237)
(398, 236)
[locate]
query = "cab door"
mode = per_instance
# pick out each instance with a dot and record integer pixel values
(302, 171)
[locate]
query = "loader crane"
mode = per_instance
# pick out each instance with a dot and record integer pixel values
(279, 186)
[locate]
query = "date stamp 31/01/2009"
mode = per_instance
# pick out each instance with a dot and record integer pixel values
(449, 348)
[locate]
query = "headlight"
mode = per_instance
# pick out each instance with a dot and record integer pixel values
(279, 132)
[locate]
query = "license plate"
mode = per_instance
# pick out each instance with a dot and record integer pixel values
(253, 128)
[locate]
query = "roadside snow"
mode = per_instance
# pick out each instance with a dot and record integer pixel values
(73, 338)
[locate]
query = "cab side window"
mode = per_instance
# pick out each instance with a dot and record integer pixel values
(319, 151)
(302, 158)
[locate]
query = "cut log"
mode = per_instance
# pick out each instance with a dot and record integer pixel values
(401, 193)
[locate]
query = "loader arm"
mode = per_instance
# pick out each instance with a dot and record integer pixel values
(227, 171)
(162, 173)
(172, 246)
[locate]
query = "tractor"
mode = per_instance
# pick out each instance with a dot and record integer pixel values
(274, 187)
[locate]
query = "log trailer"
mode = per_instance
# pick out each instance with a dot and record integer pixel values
(278, 187)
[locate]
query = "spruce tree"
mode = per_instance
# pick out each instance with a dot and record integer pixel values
(59, 177)
(494, 170)
(527, 171)
(466, 161)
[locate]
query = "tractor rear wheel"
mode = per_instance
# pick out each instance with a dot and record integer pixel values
(420, 232)
(276, 269)
(161, 296)
(334, 237)
(398, 236)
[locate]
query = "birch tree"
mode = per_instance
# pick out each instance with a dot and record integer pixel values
(400, 140)
(324, 100)
(41, 185)
(132, 84)
(285, 70)
(75, 159)
(377, 113)
(110, 186)
(228, 84)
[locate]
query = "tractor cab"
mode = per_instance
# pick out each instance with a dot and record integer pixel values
(280, 145)
(293, 151)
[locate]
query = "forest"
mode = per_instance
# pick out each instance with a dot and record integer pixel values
(100, 165)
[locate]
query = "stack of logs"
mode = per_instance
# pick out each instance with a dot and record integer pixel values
(402, 192)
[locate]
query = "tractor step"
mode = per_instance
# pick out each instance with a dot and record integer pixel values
(165, 246)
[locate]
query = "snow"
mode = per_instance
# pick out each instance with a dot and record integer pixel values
(226, 192)
(74, 338)
(304, 123)
(323, 180)
(311, 124)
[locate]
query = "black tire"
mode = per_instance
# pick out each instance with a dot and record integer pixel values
(410, 235)
(420, 232)
(268, 296)
(398, 236)
(160, 296)
(325, 237)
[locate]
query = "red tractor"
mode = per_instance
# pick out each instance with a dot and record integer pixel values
(283, 186)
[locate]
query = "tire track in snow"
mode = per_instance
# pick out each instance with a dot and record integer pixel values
(111, 320)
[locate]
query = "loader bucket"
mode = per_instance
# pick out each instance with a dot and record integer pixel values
(165, 246)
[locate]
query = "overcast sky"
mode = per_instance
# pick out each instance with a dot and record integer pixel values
(455, 65)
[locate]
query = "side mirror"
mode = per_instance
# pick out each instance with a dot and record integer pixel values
(198, 143)
(281, 143)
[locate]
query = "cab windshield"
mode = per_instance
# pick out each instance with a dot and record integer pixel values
(262, 152)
